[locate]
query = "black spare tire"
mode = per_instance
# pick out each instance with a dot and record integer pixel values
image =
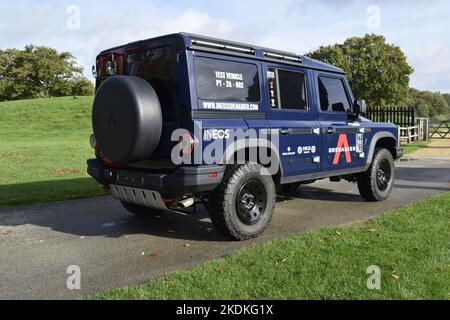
(127, 119)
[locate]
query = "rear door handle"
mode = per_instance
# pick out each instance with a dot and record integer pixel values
(331, 130)
(285, 131)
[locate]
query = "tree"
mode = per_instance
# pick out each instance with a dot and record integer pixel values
(82, 87)
(427, 104)
(37, 72)
(446, 96)
(377, 71)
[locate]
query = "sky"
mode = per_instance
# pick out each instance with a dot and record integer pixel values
(420, 28)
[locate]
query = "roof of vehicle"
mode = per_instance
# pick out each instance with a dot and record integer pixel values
(199, 42)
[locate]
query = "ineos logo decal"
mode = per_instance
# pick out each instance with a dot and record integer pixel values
(112, 120)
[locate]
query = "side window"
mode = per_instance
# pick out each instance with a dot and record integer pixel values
(226, 80)
(287, 89)
(333, 97)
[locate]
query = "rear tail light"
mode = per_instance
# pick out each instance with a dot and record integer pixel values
(188, 143)
(110, 164)
(106, 162)
(93, 142)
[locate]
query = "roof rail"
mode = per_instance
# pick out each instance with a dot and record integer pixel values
(274, 55)
(222, 46)
(236, 48)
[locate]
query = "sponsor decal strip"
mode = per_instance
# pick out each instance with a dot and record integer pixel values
(230, 106)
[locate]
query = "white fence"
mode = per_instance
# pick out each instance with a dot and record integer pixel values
(415, 133)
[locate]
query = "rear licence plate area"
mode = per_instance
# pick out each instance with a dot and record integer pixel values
(130, 179)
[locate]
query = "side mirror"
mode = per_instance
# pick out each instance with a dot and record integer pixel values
(360, 107)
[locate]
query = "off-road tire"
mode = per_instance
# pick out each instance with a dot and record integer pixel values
(368, 185)
(140, 211)
(223, 202)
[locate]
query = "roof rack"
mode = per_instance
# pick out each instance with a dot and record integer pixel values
(236, 48)
(274, 55)
(222, 46)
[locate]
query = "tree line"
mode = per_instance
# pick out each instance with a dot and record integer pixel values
(379, 73)
(40, 72)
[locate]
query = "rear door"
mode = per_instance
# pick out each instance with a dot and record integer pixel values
(291, 116)
(342, 137)
(156, 62)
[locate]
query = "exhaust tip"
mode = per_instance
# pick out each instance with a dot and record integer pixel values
(185, 203)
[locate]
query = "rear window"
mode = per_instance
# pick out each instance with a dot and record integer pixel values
(226, 80)
(287, 89)
(157, 66)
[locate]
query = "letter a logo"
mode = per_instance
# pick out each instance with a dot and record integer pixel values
(342, 144)
(112, 120)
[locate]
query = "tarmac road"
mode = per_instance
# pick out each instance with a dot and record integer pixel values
(39, 242)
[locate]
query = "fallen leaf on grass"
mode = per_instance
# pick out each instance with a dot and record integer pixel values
(338, 233)
(66, 171)
(285, 259)
(395, 277)
(7, 232)
(218, 270)
(372, 230)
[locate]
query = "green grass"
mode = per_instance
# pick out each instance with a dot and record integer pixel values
(44, 144)
(444, 117)
(413, 146)
(412, 243)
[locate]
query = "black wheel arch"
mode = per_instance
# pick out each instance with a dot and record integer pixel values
(269, 150)
(383, 139)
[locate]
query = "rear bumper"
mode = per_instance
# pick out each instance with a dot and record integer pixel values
(398, 152)
(184, 180)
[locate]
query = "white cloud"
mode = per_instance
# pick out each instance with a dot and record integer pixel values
(188, 21)
(419, 28)
(197, 22)
(101, 29)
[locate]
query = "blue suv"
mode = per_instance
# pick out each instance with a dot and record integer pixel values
(183, 118)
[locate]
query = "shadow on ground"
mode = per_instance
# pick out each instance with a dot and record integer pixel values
(105, 217)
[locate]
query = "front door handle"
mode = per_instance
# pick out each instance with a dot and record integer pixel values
(331, 130)
(285, 131)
